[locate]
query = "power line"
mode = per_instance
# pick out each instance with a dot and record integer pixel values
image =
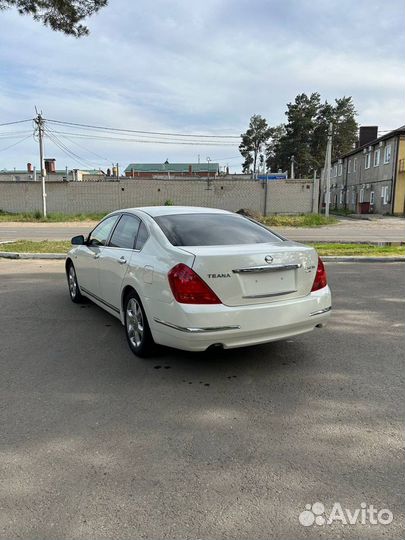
(66, 150)
(153, 138)
(105, 128)
(15, 144)
(84, 148)
(14, 134)
(17, 122)
(68, 153)
(146, 141)
(228, 158)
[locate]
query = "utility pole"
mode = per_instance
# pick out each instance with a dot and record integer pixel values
(292, 168)
(40, 123)
(328, 164)
(315, 194)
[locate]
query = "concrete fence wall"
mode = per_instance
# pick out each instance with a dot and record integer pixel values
(283, 196)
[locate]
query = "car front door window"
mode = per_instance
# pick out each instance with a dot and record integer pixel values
(99, 236)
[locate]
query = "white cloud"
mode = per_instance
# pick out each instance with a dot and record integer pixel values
(200, 67)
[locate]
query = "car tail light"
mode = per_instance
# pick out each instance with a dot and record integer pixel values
(188, 288)
(321, 279)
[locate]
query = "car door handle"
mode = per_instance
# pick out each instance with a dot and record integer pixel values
(122, 260)
(96, 255)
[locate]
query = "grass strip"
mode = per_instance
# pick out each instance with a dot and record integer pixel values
(56, 246)
(56, 217)
(302, 220)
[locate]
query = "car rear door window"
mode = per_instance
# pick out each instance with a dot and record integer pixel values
(213, 230)
(125, 232)
(99, 235)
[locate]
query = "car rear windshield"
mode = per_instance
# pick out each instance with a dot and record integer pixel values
(213, 230)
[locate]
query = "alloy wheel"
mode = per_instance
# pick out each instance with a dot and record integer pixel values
(134, 322)
(72, 282)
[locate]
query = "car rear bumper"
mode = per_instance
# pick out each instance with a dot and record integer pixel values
(195, 328)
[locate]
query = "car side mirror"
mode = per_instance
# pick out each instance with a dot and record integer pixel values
(78, 240)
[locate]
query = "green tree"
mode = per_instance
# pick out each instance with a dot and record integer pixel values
(345, 126)
(255, 137)
(319, 136)
(301, 122)
(274, 157)
(61, 15)
(305, 133)
(343, 117)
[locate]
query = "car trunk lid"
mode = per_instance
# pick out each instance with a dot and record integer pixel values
(256, 274)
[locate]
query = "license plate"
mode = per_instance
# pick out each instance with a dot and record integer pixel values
(268, 284)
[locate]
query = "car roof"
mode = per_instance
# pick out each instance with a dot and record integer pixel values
(155, 211)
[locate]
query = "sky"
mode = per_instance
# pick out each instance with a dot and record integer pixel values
(201, 67)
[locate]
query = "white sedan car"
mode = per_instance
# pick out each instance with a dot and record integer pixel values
(192, 278)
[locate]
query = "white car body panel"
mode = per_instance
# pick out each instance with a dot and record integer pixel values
(89, 278)
(114, 264)
(257, 305)
(244, 287)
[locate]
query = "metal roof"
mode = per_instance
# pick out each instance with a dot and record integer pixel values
(171, 167)
(395, 132)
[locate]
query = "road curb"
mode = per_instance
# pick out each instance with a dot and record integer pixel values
(326, 258)
(14, 255)
(352, 258)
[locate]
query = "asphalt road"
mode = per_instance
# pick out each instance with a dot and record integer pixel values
(347, 230)
(96, 443)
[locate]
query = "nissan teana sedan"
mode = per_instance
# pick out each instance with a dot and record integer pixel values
(192, 278)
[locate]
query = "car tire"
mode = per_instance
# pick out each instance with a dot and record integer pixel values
(137, 328)
(73, 284)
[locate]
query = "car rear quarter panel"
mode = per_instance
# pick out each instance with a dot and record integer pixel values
(148, 270)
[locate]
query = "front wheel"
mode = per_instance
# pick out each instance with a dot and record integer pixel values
(73, 284)
(137, 329)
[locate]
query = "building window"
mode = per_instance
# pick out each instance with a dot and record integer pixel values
(361, 195)
(385, 195)
(347, 197)
(367, 161)
(354, 164)
(353, 197)
(372, 197)
(387, 154)
(349, 166)
(341, 197)
(335, 168)
(377, 154)
(340, 169)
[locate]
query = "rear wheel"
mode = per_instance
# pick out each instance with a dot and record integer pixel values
(137, 329)
(73, 284)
